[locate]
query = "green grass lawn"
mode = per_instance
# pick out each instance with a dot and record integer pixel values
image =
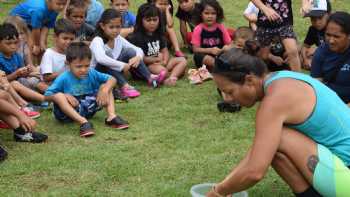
(177, 139)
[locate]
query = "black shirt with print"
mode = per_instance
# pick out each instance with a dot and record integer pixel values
(150, 44)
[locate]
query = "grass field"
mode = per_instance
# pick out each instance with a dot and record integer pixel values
(177, 139)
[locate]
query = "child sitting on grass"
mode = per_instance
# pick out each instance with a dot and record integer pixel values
(149, 37)
(166, 8)
(128, 18)
(24, 38)
(113, 54)
(53, 62)
(81, 91)
(11, 62)
(210, 37)
(315, 36)
(76, 13)
(185, 14)
(40, 15)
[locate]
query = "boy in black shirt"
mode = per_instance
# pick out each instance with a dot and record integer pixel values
(316, 34)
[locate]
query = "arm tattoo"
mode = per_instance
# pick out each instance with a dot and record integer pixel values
(312, 162)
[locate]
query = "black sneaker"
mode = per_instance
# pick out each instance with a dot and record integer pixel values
(33, 137)
(3, 154)
(228, 107)
(119, 96)
(117, 123)
(87, 130)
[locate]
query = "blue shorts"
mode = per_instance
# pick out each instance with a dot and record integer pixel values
(87, 108)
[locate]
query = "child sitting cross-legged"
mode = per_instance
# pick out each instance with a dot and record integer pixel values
(11, 62)
(148, 36)
(81, 91)
(113, 54)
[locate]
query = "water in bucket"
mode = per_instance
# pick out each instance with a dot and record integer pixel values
(201, 189)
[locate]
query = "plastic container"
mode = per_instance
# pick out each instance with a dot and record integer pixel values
(201, 189)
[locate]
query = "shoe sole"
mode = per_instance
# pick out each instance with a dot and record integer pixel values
(120, 127)
(87, 134)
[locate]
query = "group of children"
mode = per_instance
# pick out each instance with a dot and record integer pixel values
(94, 50)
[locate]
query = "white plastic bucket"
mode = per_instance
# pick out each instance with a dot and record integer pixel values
(201, 189)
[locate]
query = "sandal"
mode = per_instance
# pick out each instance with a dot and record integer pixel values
(194, 77)
(204, 73)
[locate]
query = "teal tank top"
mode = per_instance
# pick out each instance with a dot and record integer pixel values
(329, 123)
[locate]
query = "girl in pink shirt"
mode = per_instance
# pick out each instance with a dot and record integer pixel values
(210, 37)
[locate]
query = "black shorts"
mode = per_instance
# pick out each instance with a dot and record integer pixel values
(265, 36)
(87, 108)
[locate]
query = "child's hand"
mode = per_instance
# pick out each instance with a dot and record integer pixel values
(72, 100)
(134, 62)
(22, 72)
(216, 51)
(102, 97)
(126, 68)
(271, 14)
(26, 123)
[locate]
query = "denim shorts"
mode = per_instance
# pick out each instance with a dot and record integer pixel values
(87, 108)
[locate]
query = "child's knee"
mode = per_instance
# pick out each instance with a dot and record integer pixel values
(4, 95)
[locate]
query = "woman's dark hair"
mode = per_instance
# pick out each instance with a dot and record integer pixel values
(77, 51)
(148, 10)
(106, 17)
(8, 32)
(235, 64)
(212, 3)
(342, 19)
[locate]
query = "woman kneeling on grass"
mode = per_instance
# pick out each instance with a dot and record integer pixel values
(302, 128)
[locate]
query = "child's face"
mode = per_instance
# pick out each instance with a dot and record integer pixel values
(80, 68)
(77, 17)
(239, 42)
(63, 40)
(56, 5)
(112, 28)
(209, 15)
(9, 47)
(120, 5)
(150, 23)
(186, 5)
(162, 4)
(319, 22)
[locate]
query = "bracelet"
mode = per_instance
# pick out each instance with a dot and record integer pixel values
(215, 192)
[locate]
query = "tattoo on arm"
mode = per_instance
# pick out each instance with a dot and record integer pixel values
(312, 162)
